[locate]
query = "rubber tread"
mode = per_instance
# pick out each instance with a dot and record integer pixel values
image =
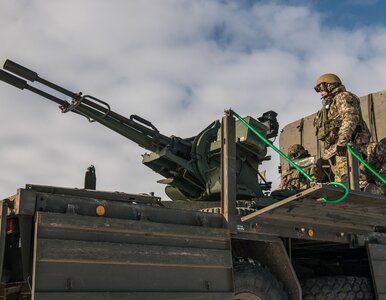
(252, 277)
(337, 287)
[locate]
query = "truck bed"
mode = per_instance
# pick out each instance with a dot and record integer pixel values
(359, 216)
(137, 249)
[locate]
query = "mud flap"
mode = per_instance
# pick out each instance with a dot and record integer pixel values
(377, 260)
(82, 257)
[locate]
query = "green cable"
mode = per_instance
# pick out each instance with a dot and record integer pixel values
(273, 147)
(345, 187)
(346, 191)
(365, 164)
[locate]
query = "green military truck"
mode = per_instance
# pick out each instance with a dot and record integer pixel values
(222, 237)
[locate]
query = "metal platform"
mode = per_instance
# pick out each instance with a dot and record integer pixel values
(305, 215)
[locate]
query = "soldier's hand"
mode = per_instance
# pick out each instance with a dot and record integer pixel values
(341, 150)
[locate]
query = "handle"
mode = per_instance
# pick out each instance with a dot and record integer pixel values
(143, 121)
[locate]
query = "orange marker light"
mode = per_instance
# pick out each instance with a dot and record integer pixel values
(100, 210)
(310, 232)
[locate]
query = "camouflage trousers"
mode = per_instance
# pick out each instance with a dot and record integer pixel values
(339, 168)
(377, 189)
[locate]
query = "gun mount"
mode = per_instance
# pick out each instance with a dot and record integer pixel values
(190, 166)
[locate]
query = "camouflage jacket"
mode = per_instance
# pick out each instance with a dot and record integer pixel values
(293, 180)
(344, 109)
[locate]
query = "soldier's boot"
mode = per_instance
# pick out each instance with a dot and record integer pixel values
(373, 189)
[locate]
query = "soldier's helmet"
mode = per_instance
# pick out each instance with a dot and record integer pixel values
(327, 82)
(297, 151)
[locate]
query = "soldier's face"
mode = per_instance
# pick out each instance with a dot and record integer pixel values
(323, 93)
(321, 89)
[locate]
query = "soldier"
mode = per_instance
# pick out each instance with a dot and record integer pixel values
(376, 158)
(338, 123)
(292, 179)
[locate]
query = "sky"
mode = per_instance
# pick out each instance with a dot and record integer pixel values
(176, 63)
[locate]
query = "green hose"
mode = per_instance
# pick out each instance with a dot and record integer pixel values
(273, 147)
(341, 198)
(365, 164)
(345, 187)
(267, 142)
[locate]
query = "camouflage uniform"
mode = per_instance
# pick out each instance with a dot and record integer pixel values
(376, 158)
(343, 114)
(292, 179)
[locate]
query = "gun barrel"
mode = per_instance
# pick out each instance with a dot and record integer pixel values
(13, 80)
(46, 95)
(19, 70)
(134, 128)
(30, 75)
(22, 84)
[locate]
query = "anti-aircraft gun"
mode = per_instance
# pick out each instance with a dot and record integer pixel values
(87, 244)
(190, 166)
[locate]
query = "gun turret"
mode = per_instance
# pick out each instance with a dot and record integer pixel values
(190, 166)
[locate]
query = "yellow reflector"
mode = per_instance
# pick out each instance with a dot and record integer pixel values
(310, 232)
(100, 210)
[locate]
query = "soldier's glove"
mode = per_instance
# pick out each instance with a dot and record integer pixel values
(341, 150)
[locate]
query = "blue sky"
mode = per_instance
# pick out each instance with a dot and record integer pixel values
(351, 14)
(348, 14)
(177, 63)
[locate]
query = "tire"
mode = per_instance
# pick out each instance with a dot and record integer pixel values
(337, 287)
(255, 282)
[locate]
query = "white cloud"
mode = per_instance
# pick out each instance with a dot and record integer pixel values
(178, 64)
